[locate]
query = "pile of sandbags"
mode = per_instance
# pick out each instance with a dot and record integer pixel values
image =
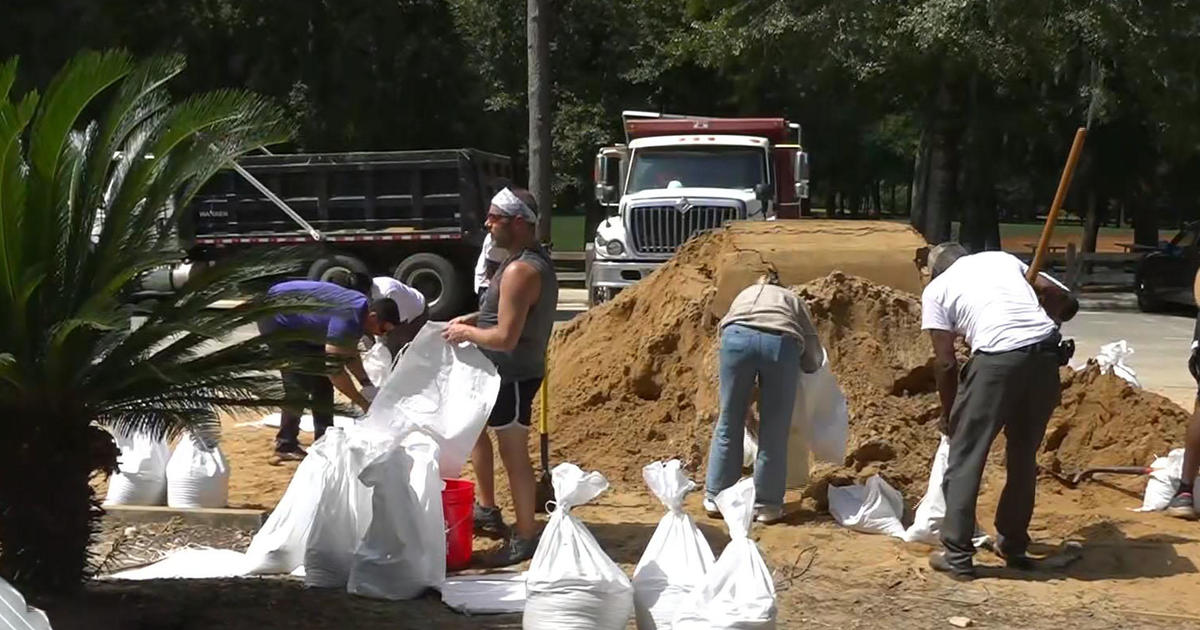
(141, 477)
(197, 475)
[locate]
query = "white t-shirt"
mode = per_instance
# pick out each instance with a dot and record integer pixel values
(409, 301)
(985, 298)
(488, 252)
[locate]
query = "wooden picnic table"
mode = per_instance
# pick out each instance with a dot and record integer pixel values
(1134, 247)
(1050, 249)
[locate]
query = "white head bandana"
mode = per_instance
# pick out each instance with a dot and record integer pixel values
(511, 205)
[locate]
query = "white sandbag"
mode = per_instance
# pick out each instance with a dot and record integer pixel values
(931, 511)
(15, 614)
(571, 583)
(1112, 361)
(278, 547)
(306, 421)
(677, 557)
(344, 508)
(377, 363)
(1166, 472)
(738, 593)
(445, 390)
(821, 408)
(403, 552)
(488, 594)
(197, 476)
(874, 508)
(749, 449)
(141, 477)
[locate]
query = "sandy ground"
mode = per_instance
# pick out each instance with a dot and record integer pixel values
(1137, 570)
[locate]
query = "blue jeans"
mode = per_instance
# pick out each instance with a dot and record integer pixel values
(747, 353)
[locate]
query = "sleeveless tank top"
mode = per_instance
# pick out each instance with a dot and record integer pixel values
(528, 359)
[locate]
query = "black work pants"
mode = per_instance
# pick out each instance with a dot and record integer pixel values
(1012, 391)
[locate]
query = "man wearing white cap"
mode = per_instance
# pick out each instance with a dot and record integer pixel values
(512, 328)
(411, 304)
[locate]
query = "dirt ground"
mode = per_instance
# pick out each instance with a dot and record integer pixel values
(1137, 570)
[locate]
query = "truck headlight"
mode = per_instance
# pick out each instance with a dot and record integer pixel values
(615, 248)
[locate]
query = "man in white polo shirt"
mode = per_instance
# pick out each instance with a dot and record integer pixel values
(1010, 383)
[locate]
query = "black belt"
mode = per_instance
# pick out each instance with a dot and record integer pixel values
(1049, 344)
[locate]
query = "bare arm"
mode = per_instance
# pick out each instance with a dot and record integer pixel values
(814, 352)
(341, 379)
(945, 373)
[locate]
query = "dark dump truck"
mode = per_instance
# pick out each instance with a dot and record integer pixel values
(414, 215)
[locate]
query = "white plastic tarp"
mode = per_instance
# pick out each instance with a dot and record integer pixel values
(191, 563)
(15, 614)
(490, 594)
(738, 593)
(446, 390)
(677, 558)
(571, 583)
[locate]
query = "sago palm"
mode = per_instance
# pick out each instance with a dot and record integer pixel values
(88, 171)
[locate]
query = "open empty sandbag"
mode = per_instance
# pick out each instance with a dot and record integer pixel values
(141, 477)
(197, 475)
(821, 409)
(343, 510)
(931, 511)
(278, 547)
(677, 558)
(571, 583)
(738, 592)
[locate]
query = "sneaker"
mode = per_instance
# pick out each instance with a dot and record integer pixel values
(289, 454)
(515, 551)
(1182, 505)
(710, 508)
(939, 563)
(768, 515)
(490, 522)
(1020, 562)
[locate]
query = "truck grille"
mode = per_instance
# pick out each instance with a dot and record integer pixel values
(662, 229)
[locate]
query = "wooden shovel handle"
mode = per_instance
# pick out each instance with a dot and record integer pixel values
(1064, 184)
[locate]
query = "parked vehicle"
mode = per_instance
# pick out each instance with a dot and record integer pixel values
(415, 215)
(678, 176)
(1167, 275)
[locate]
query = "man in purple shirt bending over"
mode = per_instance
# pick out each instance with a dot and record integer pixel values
(341, 326)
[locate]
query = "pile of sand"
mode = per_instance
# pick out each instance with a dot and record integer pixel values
(636, 380)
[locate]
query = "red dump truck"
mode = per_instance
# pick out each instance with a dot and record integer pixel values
(677, 176)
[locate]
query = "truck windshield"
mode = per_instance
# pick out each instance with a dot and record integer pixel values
(709, 167)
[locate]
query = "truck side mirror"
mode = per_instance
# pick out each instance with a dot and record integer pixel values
(800, 171)
(764, 192)
(607, 172)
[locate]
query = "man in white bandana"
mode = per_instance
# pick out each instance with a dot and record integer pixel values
(512, 328)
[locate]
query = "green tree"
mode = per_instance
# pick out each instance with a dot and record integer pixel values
(80, 200)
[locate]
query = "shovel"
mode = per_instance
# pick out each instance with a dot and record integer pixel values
(545, 490)
(1074, 480)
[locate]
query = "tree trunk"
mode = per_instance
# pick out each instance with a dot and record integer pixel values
(981, 226)
(918, 192)
(540, 148)
(1145, 217)
(1092, 222)
(876, 199)
(941, 181)
(49, 512)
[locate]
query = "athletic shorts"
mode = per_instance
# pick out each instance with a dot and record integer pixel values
(514, 404)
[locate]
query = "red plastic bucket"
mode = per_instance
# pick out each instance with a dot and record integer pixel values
(458, 503)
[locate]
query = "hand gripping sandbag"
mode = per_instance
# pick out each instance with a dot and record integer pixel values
(821, 408)
(197, 475)
(344, 508)
(445, 390)
(738, 592)
(677, 558)
(404, 550)
(571, 583)
(141, 477)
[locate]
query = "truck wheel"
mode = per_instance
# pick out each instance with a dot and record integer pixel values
(337, 268)
(438, 280)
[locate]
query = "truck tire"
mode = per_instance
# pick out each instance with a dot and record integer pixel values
(438, 280)
(336, 268)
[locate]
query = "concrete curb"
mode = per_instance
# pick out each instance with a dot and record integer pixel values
(237, 518)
